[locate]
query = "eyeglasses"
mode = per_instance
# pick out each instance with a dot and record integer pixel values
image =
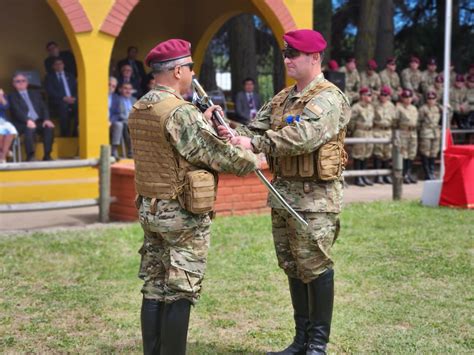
(19, 81)
(290, 53)
(190, 65)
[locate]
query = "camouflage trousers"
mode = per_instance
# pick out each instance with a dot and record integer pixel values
(362, 151)
(174, 251)
(304, 253)
(408, 144)
(430, 142)
(383, 151)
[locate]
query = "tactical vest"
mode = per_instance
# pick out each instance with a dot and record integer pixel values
(325, 163)
(159, 171)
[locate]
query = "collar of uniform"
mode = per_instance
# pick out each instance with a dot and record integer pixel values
(318, 79)
(167, 89)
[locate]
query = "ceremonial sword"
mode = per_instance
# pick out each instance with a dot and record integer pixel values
(206, 101)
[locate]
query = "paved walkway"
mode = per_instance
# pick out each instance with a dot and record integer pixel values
(87, 217)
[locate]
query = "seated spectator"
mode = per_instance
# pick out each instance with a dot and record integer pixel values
(119, 128)
(67, 57)
(115, 126)
(30, 115)
(126, 77)
(148, 83)
(8, 132)
(137, 66)
(247, 102)
(61, 88)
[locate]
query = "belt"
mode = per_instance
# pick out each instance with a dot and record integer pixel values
(408, 129)
(364, 129)
(382, 128)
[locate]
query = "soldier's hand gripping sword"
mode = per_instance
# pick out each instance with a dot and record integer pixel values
(205, 101)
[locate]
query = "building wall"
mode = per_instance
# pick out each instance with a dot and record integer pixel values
(25, 28)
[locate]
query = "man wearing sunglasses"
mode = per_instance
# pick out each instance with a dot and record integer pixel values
(301, 131)
(177, 154)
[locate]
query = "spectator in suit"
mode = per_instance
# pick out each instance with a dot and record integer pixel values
(115, 126)
(247, 102)
(120, 127)
(148, 83)
(30, 115)
(61, 88)
(67, 57)
(126, 77)
(137, 66)
(8, 131)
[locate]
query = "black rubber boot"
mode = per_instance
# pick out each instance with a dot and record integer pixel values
(387, 178)
(358, 166)
(378, 165)
(367, 181)
(426, 167)
(174, 327)
(431, 165)
(299, 300)
(151, 313)
(321, 300)
(406, 179)
(412, 178)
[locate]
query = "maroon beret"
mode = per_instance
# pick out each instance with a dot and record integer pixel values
(431, 95)
(431, 61)
(460, 78)
(439, 78)
(391, 60)
(350, 60)
(171, 49)
(414, 59)
(406, 93)
(364, 90)
(372, 64)
(332, 64)
(470, 78)
(386, 90)
(307, 41)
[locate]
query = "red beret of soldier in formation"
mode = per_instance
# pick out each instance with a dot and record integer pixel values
(372, 64)
(171, 49)
(439, 78)
(470, 78)
(430, 95)
(386, 91)
(414, 59)
(307, 41)
(365, 91)
(332, 65)
(460, 78)
(391, 61)
(407, 93)
(431, 61)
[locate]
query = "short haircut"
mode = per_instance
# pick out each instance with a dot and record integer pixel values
(58, 59)
(166, 66)
(50, 43)
(114, 79)
(16, 75)
(248, 79)
(125, 84)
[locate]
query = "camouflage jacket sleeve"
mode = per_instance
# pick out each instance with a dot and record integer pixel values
(196, 141)
(321, 120)
(259, 124)
(406, 79)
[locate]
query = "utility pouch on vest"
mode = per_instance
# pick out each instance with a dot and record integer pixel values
(199, 191)
(331, 160)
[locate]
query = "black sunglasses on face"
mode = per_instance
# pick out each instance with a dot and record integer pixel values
(290, 53)
(383, 94)
(190, 65)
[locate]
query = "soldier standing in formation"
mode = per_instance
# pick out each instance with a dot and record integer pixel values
(428, 77)
(429, 134)
(458, 102)
(352, 80)
(411, 79)
(470, 99)
(390, 78)
(384, 120)
(371, 78)
(177, 154)
(361, 124)
(407, 122)
(301, 131)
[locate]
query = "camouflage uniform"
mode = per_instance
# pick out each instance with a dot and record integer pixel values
(411, 79)
(392, 80)
(361, 124)
(303, 253)
(459, 105)
(385, 114)
(176, 241)
(430, 134)
(352, 84)
(373, 82)
(428, 80)
(407, 121)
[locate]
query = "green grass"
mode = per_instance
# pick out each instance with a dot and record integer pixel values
(404, 276)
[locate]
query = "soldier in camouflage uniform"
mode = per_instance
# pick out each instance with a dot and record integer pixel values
(438, 88)
(458, 102)
(411, 79)
(176, 152)
(470, 99)
(430, 134)
(352, 80)
(384, 119)
(301, 131)
(361, 124)
(428, 77)
(390, 78)
(407, 122)
(371, 79)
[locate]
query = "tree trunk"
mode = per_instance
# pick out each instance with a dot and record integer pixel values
(385, 33)
(322, 19)
(207, 76)
(243, 54)
(367, 31)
